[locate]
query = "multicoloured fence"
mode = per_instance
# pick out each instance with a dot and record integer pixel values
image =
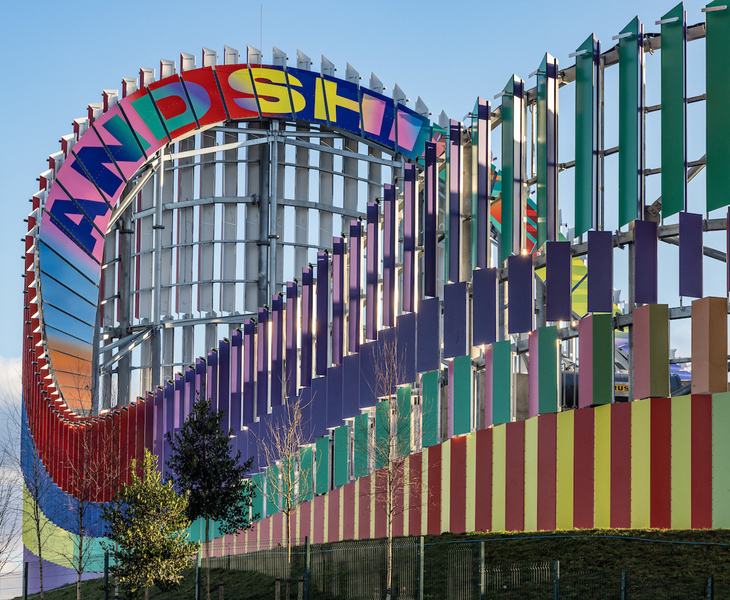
(488, 303)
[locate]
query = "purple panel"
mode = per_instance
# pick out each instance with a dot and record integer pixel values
(690, 255)
(371, 275)
(427, 335)
(189, 392)
(483, 176)
(407, 348)
(253, 432)
(305, 380)
(323, 312)
(409, 237)
(292, 327)
(159, 425)
(249, 371)
(645, 262)
(454, 237)
(169, 416)
(334, 397)
(211, 379)
(389, 235)
(455, 319)
(368, 356)
(236, 380)
(351, 385)
(305, 395)
(600, 271)
(242, 445)
(338, 299)
(149, 422)
(386, 337)
(319, 406)
(262, 439)
(520, 305)
(200, 367)
(484, 306)
(277, 350)
(355, 279)
(533, 371)
(558, 282)
(224, 379)
(179, 415)
(430, 220)
(262, 363)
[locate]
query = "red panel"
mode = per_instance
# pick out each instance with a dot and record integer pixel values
(414, 493)
(483, 484)
(434, 490)
(364, 508)
(251, 537)
(305, 512)
(205, 78)
(123, 455)
(139, 450)
(547, 456)
(621, 465)
(661, 463)
(398, 504)
(230, 95)
(457, 523)
(381, 496)
(514, 512)
(318, 520)
(348, 511)
(583, 476)
(701, 461)
(333, 516)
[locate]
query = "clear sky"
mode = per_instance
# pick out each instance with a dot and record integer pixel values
(60, 55)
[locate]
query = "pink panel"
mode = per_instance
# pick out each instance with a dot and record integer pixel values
(381, 482)
(364, 516)
(318, 520)
(414, 493)
(348, 511)
(305, 514)
(333, 516)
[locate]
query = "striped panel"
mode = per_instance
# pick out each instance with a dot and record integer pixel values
(564, 476)
(720, 456)
(702, 461)
(641, 464)
(531, 474)
(661, 463)
(681, 462)
(483, 480)
(514, 514)
(602, 457)
(547, 455)
(415, 501)
(457, 491)
(434, 491)
(583, 468)
(445, 485)
(621, 465)
(499, 444)
(471, 469)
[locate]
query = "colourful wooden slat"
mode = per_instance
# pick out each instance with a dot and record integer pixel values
(565, 469)
(333, 515)
(445, 486)
(531, 473)
(471, 473)
(709, 345)
(621, 465)
(682, 462)
(651, 351)
(720, 456)
(499, 441)
(602, 454)
(583, 476)
(483, 484)
(514, 514)
(702, 461)
(641, 464)
(415, 500)
(661, 463)
(434, 491)
(457, 468)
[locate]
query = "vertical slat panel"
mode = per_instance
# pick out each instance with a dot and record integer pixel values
(334, 396)
(461, 385)
(323, 313)
(319, 407)
(351, 386)
(521, 297)
(709, 345)
(262, 363)
(546, 471)
(431, 406)
(361, 452)
(640, 464)
(430, 220)
(457, 484)
(368, 358)
(277, 350)
(481, 142)
(355, 279)
(406, 341)
(433, 520)
(428, 335)
(249, 370)
(682, 462)
(547, 150)
(211, 379)
(389, 240)
(513, 141)
(236, 381)
(292, 327)
(651, 351)
(305, 357)
(224, 382)
(371, 276)
(558, 282)
(690, 255)
(514, 513)
(565, 471)
(600, 271)
(621, 465)
(409, 238)
(455, 310)
(453, 229)
(661, 463)
(583, 476)
(645, 262)
(502, 382)
(483, 484)
(341, 469)
(499, 442)
(338, 300)
(484, 306)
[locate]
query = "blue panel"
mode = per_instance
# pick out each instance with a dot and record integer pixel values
(520, 304)
(645, 262)
(305, 378)
(249, 362)
(224, 379)
(427, 335)
(305, 403)
(368, 352)
(484, 306)
(378, 128)
(600, 271)
(262, 363)
(387, 339)
(455, 338)
(323, 312)
(236, 380)
(319, 406)
(277, 351)
(558, 281)
(690, 255)
(334, 397)
(407, 348)
(253, 434)
(351, 386)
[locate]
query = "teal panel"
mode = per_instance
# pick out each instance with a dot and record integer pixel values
(257, 505)
(342, 442)
(196, 530)
(272, 490)
(404, 420)
(322, 472)
(361, 446)
(462, 395)
(430, 417)
(674, 112)
(585, 136)
(547, 351)
(382, 433)
(501, 382)
(630, 75)
(717, 69)
(603, 358)
(508, 170)
(305, 474)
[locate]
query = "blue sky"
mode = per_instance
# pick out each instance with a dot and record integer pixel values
(60, 56)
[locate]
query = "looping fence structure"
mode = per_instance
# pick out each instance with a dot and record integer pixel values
(288, 227)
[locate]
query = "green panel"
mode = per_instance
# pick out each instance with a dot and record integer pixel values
(508, 171)
(342, 441)
(547, 351)
(361, 446)
(474, 184)
(257, 506)
(659, 339)
(629, 123)
(430, 417)
(717, 68)
(272, 490)
(602, 358)
(720, 460)
(585, 129)
(305, 474)
(462, 395)
(501, 382)
(382, 430)
(321, 484)
(404, 420)
(674, 126)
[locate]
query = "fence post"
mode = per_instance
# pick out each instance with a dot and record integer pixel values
(710, 587)
(106, 576)
(307, 566)
(25, 581)
(482, 572)
(624, 585)
(420, 567)
(556, 580)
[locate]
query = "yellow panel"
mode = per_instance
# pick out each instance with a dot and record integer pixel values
(471, 475)
(602, 485)
(445, 486)
(565, 466)
(682, 462)
(58, 544)
(499, 474)
(531, 474)
(641, 464)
